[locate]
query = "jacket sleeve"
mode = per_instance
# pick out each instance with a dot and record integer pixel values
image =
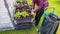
(33, 4)
(40, 6)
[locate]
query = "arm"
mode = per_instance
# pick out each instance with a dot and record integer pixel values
(33, 4)
(40, 6)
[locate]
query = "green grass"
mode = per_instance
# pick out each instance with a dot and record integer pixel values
(32, 30)
(24, 31)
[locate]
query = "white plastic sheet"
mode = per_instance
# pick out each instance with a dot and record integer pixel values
(5, 22)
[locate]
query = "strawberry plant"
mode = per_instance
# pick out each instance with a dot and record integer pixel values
(17, 15)
(24, 14)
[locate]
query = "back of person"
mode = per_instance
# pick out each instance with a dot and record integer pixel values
(45, 3)
(41, 2)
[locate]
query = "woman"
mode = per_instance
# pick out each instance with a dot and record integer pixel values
(39, 10)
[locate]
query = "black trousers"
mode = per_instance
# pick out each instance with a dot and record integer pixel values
(38, 16)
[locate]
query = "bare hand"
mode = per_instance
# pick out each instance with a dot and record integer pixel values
(32, 12)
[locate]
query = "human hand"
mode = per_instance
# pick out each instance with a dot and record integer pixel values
(32, 12)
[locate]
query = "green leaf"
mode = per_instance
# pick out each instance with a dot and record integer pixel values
(17, 14)
(24, 14)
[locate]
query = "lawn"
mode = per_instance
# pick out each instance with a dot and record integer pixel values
(32, 30)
